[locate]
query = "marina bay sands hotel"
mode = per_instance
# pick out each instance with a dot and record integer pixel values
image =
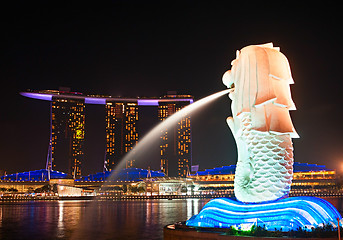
(67, 129)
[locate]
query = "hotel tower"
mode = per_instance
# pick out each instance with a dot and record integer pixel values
(67, 129)
(121, 132)
(176, 144)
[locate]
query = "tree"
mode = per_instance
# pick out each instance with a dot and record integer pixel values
(133, 189)
(183, 189)
(192, 186)
(12, 189)
(141, 189)
(124, 188)
(54, 188)
(30, 190)
(45, 189)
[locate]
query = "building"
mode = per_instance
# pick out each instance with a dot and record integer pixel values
(36, 175)
(29, 181)
(128, 174)
(66, 151)
(67, 131)
(121, 131)
(308, 179)
(176, 144)
(67, 135)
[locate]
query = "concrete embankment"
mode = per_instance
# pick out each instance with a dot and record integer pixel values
(182, 232)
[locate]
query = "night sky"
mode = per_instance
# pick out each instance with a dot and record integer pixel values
(146, 48)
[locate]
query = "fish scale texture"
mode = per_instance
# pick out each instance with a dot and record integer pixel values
(266, 170)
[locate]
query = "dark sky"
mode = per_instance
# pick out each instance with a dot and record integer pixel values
(145, 48)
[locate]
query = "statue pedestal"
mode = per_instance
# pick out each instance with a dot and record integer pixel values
(285, 214)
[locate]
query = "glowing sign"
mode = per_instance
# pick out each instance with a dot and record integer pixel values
(79, 134)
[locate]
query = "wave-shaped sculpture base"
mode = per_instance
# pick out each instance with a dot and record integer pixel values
(285, 214)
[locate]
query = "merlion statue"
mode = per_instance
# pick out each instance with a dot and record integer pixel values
(261, 99)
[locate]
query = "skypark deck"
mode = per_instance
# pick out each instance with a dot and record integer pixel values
(49, 95)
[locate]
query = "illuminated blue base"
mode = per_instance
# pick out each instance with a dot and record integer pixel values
(286, 214)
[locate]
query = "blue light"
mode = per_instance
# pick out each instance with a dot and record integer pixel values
(40, 96)
(297, 167)
(147, 102)
(93, 100)
(36, 175)
(286, 214)
(127, 174)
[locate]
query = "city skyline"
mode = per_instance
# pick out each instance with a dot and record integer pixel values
(66, 150)
(106, 51)
(137, 48)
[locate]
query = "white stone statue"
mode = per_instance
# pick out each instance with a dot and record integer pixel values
(261, 124)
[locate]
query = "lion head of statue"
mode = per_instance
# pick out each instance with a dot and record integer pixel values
(259, 80)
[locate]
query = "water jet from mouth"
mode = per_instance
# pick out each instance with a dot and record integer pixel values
(86, 229)
(155, 133)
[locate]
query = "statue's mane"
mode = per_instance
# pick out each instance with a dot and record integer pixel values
(262, 77)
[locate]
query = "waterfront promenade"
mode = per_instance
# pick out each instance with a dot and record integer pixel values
(333, 196)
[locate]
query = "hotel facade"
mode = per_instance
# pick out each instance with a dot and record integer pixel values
(67, 131)
(68, 120)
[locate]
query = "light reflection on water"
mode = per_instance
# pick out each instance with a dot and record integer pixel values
(39, 220)
(192, 207)
(135, 219)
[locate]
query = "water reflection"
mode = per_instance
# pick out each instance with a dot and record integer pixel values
(39, 220)
(60, 224)
(192, 207)
(141, 219)
(69, 214)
